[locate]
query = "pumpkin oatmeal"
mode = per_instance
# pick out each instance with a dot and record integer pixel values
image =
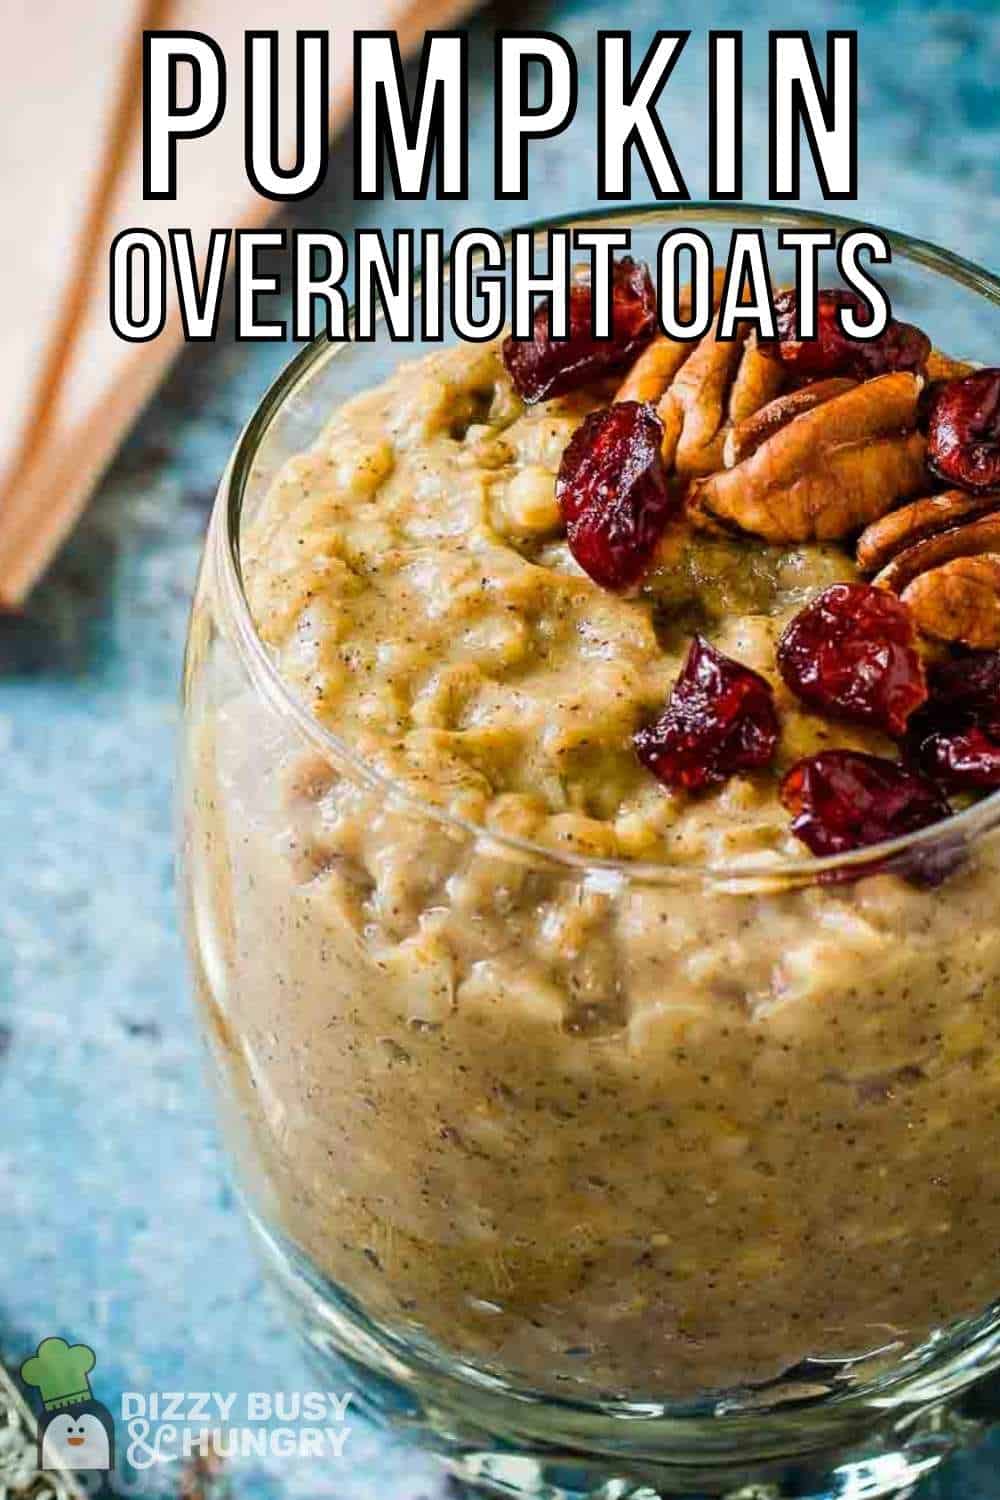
(542, 1065)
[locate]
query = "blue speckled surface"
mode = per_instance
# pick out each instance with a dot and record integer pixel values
(116, 1225)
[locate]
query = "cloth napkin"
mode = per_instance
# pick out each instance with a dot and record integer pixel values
(71, 171)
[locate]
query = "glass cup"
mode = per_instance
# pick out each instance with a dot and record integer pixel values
(598, 1178)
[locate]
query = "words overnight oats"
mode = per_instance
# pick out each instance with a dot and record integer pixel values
(558, 1050)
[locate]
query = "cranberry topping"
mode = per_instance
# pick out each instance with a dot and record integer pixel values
(720, 719)
(900, 346)
(969, 685)
(851, 653)
(613, 493)
(963, 431)
(541, 366)
(843, 800)
(965, 761)
(956, 738)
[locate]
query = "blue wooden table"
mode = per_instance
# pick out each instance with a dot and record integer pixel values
(117, 1226)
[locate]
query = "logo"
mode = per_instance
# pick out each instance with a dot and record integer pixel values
(169, 1426)
(74, 1431)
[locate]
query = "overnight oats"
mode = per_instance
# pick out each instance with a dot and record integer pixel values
(590, 859)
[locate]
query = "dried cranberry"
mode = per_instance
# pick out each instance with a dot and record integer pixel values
(613, 494)
(969, 685)
(900, 346)
(843, 800)
(963, 431)
(542, 366)
(965, 761)
(719, 719)
(851, 653)
(955, 738)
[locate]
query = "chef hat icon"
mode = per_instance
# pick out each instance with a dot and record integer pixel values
(60, 1370)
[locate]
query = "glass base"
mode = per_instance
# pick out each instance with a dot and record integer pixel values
(494, 1439)
(519, 1478)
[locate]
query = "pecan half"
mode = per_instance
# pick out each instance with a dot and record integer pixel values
(943, 367)
(722, 384)
(653, 370)
(659, 362)
(699, 394)
(950, 581)
(828, 472)
(758, 380)
(748, 433)
(886, 538)
(972, 540)
(701, 389)
(959, 602)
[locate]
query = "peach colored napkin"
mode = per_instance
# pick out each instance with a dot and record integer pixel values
(51, 177)
(71, 171)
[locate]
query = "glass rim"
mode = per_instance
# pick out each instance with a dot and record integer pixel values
(224, 546)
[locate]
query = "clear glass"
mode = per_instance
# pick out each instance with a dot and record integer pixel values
(739, 1231)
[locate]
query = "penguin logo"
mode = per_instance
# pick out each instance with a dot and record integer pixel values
(75, 1431)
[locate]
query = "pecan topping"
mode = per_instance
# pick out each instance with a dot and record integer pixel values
(757, 382)
(721, 384)
(959, 602)
(972, 540)
(951, 579)
(653, 370)
(748, 433)
(701, 390)
(828, 472)
(659, 362)
(900, 529)
(943, 367)
(698, 398)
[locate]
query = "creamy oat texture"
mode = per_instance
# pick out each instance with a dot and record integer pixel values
(643, 1137)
